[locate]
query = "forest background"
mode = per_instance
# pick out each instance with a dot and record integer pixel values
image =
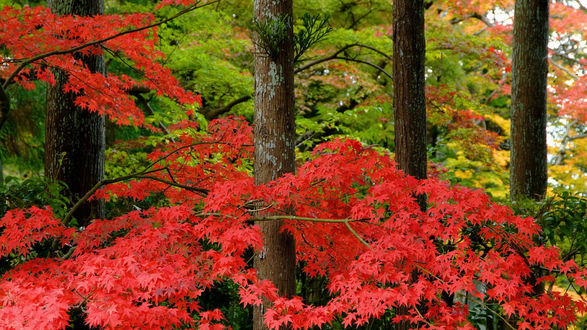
(343, 89)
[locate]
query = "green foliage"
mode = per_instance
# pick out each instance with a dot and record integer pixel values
(22, 135)
(562, 218)
(314, 28)
(272, 33)
(18, 193)
(212, 56)
(564, 224)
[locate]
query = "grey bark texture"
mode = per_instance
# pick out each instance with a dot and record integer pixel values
(75, 138)
(528, 173)
(274, 132)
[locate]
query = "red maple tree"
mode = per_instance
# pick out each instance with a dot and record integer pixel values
(357, 222)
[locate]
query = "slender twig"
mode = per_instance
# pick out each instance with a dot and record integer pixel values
(214, 113)
(356, 234)
(69, 253)
(264, 208)
(567, 71)
(423, 319)
(367, 63)
(179, 149)
(95, 188)
(334, 56)
(200, 191)
(144, 174)
(291, 217)
(152, 113)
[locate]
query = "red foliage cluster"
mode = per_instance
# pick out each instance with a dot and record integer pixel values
(356, 223)
(35, 36)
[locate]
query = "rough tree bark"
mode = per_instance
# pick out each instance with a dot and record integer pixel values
(75, 138)
(409, 103)
(528, 176)
(274, 131)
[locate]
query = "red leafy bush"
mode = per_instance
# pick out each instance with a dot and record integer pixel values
(356, 222)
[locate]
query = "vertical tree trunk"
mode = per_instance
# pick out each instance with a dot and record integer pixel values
(528, 175)
(274, 131)
(409, 103)
(75, 138)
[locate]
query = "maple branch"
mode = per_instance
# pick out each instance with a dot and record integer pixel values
(567, 71)
(423, 319)
(210, 114)
(576, 137)
(140, 175)
(152, 113)
(101, 41)
(291, 217)
(181, 148)
(264, 208)
(144, 174)
(366, 62)
(560, 155)
(475, 15)
(335, 56)
(356, 234)
(95, 188)
(200, 191)
(580, 5)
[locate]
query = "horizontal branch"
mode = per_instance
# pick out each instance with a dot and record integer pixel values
(567, 71)
(357, 234)
(200, 191)
(367, 63)
(577, 137)
(334, 56)
(291, 217)
(210, 114)
(144, 174)
(95, 188)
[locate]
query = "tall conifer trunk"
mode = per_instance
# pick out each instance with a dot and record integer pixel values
(528, 176)
(274, 131)
(409, 103)
(75, 138)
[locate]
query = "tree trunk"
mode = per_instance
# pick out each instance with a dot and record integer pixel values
(528, 177)
(75, 138)
(409, 103)
(274, 131)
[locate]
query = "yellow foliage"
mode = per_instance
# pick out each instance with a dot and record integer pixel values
(504, 124)
(466, 174)
(502, 157)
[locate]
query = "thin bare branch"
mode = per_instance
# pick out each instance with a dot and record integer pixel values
(335, 56)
